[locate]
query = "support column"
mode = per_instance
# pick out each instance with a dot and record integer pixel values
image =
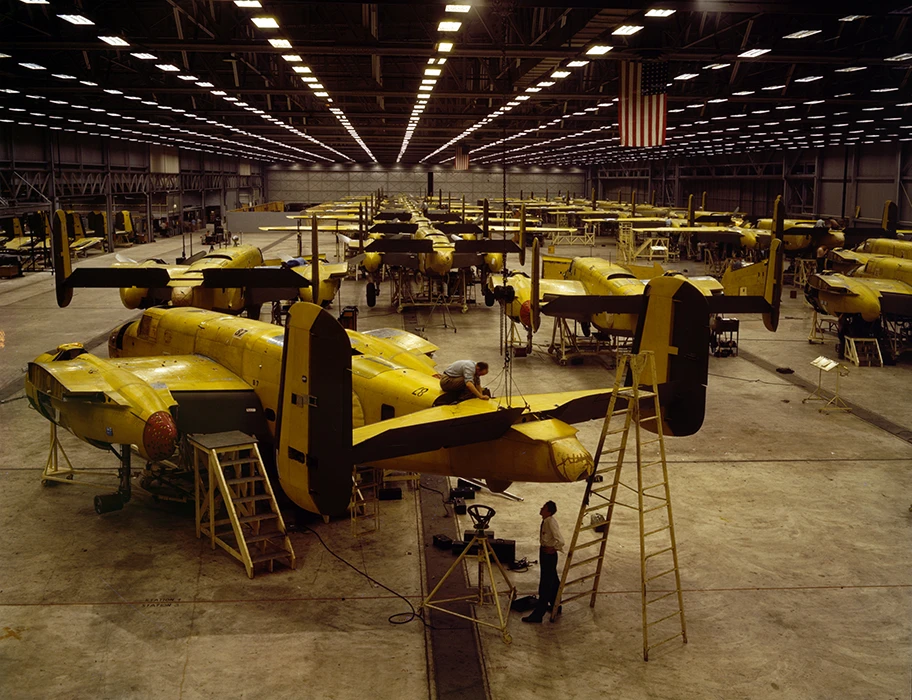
(109, 198)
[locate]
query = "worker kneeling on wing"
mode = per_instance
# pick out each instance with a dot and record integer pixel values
(464, 376)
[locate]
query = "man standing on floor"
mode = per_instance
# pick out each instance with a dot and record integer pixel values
(465, 376)
(551, 543)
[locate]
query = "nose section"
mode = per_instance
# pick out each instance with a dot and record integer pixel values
(160, 436)
(525, 314)
(182, 296)
(572, 460)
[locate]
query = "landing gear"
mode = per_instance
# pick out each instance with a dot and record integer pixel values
(586, 328)
(105, 503)
(371, 294)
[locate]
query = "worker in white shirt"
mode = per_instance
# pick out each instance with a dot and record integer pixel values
(551, 542)
(465, 376)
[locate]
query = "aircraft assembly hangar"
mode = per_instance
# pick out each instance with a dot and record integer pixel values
(243, 243)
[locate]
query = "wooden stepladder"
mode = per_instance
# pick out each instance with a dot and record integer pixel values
(235, 504)
(660, 579)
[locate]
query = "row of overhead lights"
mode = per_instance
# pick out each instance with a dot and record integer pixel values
(629, 30)
(121, 43)
(306, 75)
(177, 111)
(432, 71)
(560, 73)
(22, 116)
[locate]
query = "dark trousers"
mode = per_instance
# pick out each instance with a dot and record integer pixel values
(548, 583)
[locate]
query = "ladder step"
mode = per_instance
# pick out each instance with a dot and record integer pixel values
(235, 462)
(270, 555)
(649, 510)
(265, 537)
(658, 483)
(585, 544)
(650, 464)
(602, 488)
(584, 561)
(662, 619)
(661, 551)
(574, 597)
(593, 526)
(653, 532)
(579, 580)
(590, 509)
(252, 499)
(643, 420)
(244, 480)
(661, 597)
(664, 641)
(664, 573)
(244, 520)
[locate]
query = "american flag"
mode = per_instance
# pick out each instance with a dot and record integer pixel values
(642, 103)
(462, 157)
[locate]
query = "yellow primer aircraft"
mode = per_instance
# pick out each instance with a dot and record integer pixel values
(230, 280)
(576, 287)
(321, 399)
(874, 301)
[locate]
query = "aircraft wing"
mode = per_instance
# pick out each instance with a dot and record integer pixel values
(334, 271)
(409, 342)
(400, 245)
(432, 429)
(119, 276)
(253, 277)
(550, 288)
(586, 306)
(572, 406)
(486, 246)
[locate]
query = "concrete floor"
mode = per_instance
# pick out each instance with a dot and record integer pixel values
(793, 534)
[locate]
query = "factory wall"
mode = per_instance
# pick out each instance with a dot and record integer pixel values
(310, 184)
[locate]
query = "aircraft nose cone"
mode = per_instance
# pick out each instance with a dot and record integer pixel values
(160, 436)
(525, 314)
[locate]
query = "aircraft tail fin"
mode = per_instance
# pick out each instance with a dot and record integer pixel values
(314, 439)
(63, 260)
(754, 288)
(675, 327)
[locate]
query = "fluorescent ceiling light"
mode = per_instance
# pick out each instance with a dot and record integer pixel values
(168, 67)
(890, 89)
(716, 66)
(852, 18)
(627, 29)
(753, 53)
(425, 88)
(35, 2)
(718, 100)
(802, 34)
(546, 83)
(809, 79)
(300, 69)
(559, 74)
(187, 77)
(76, 19)
(851, 69)
(599, 50)
(114, 40)
(577, 64)
(685, 76)
(280, 43)
(522, 98)
(448, 26)
(64, 76)
(292, 58)
(144, 56)
(321, 94)
(265, 22)
(114, 92)
(659, 13)
(316, 86)
(309, 79)
(814, 102)
(900, 57)
(218, 93)
(205, 84)
(743, 93)
(773, 87)
(32, 66)
(429, 81)
(445, 46)
(247, 3)
(88, 83)
(458, 8)
(533, 89)
(432, 71)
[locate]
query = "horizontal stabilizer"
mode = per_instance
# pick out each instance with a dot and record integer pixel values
(458, 228)
(486, 246)
(118, 277)
(393, 228)
(253, 277)
(588, 306)
(432, 429)
(572, 406)
(723, 305)
(403, 245)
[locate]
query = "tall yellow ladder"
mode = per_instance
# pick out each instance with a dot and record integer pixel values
(658, 552)
(365, 501)
(235, 504)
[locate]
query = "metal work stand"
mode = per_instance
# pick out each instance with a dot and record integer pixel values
(824, 364)
(481, 517)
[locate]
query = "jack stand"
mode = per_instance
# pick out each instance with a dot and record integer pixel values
(53, 473)
(115, 501)
(481, 516)
(440, 303)
(519, 347)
